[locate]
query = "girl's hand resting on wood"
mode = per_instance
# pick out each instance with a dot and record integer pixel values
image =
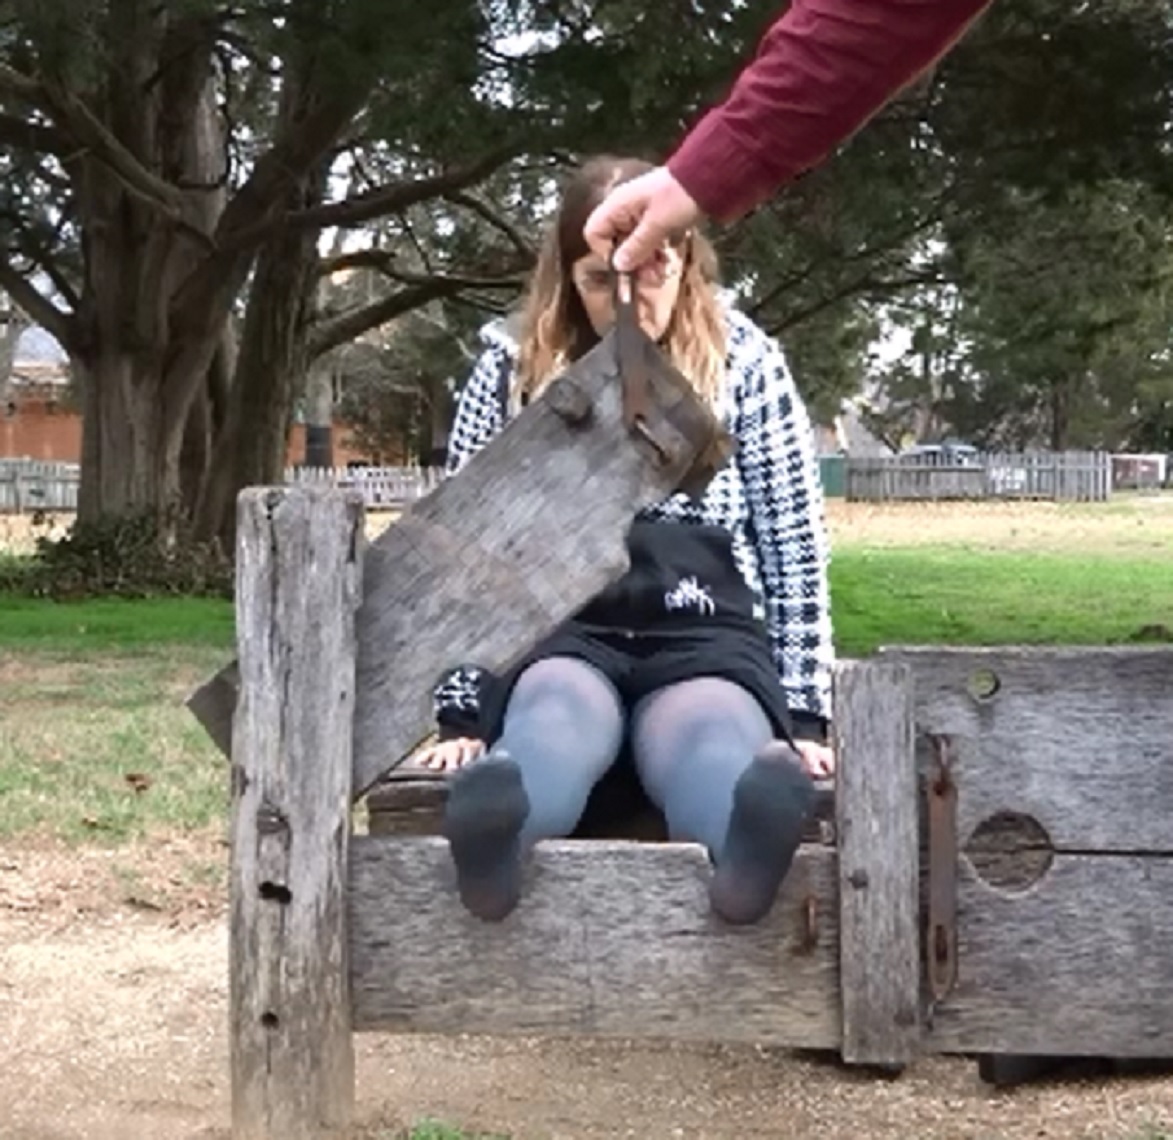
(818, 759)
(449, 755)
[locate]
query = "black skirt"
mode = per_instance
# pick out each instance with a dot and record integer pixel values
(681, 611)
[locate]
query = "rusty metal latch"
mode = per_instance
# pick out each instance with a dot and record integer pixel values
(634, 367)
(942, 918)
(637, 359)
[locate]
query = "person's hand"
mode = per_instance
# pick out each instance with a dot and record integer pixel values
(817, 759)
(640, 215)
(449, 755)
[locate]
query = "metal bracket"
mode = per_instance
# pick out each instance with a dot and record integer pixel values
(634, 369)
(640, 412)
(942, 918)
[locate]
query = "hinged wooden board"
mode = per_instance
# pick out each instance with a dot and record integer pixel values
(496, 557)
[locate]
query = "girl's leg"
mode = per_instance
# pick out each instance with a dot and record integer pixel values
(707, 757)
(562, 730)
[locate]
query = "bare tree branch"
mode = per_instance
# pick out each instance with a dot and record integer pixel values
(399, 196)
(865, 284)
(21, 134)
(88, 130)
(498, 221)
(417, 291)
(22, 86)
(39, 308)
(416, 244)
(382, 260)
(41, 257)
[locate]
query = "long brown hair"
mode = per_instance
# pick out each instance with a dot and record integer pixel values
(555, 328)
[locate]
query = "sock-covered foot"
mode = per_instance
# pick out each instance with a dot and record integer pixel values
(487, 807)
(771, 801)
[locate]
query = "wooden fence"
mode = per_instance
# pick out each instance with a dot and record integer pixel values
(28, 485)
(382, 488)
(1060, 476)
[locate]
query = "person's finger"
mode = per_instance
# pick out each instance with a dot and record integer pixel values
(610, 220)
(640, 246)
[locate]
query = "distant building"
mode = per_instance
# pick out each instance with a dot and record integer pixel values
(40, 419)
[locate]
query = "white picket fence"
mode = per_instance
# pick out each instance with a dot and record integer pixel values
(382, 488)
(1059, 476)
(29, 485)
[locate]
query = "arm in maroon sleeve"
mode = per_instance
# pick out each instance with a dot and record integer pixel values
(824, 68)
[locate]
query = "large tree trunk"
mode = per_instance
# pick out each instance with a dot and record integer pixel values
(140, 370)
(166, 255)
(319, 415)
(209, 410)
(251, 446)
(130, 446)
(13, 322)
(1060, 414)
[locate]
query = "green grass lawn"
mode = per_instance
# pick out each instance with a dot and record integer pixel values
(82, 628)
(951, 596)
(97, 744)
(430, 1130)
(93, 691)
(882, 596)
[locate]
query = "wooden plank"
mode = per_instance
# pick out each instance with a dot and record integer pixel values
(298, 583)
(411, 802)
(879, 862)
(610, 939)
(214, 706)
(486, 565)
(1076, 966)
(1079, 739)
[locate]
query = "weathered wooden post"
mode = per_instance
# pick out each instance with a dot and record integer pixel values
(879, 861)
(298, 585)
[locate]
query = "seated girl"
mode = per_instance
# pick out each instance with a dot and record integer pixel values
(709, 661)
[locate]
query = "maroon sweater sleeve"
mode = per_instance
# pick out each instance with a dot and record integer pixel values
(823, 69)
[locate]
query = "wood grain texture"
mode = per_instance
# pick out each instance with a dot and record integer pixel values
(1079, 739)
(876, 824)
(610, 939)
(297, 590)
(495, 558)
(1079, 965)
(412, 803)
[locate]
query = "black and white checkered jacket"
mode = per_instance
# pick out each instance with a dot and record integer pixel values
(768, 495)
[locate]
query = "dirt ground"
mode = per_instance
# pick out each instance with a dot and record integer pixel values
(113, 1019)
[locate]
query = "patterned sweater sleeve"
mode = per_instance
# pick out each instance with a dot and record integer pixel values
(458, 698)
(479, 411)
(785, 501)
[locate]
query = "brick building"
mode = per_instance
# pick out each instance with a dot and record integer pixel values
(39, 420)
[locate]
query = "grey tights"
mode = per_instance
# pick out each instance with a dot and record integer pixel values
(699, 747)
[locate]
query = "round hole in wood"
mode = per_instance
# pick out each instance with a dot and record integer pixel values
(983, 684)
(1010, 851)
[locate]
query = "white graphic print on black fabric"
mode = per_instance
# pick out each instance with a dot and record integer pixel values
(689, 594)
(460, 690)
(769, 497)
